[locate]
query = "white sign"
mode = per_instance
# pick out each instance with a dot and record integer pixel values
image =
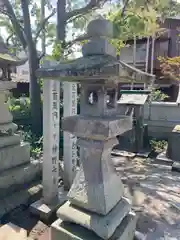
(70, 148)
(51, 120)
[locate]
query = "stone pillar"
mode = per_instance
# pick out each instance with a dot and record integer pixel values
(96, 204)
(53, 197)
(70, 148)
(51, 117)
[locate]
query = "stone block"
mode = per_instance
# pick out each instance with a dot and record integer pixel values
(47, 212)
(12, 156)
(176, 167)
(7, 85)
(100, 27)
(11, 231)
(9, 128)
(68, 231)
(103, 226)
(92, 189)
(99, 128)
(19, 177)
(173, 144)
(24, 196)
(6, 116)
(98, 46)
(7, 141)
(97, 192)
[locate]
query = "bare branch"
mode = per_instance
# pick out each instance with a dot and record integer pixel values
(124, 8)
(78, 39)
(41, 56)
(9, 37)
(89, 7)
(42, 25)
(8, 10)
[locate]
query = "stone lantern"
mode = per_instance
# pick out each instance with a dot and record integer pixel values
(96, 206)
(18, 173)
(7, 62)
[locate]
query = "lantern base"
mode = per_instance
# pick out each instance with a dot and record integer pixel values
(67, 231)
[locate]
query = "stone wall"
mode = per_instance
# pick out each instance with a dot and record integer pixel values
(161, 118)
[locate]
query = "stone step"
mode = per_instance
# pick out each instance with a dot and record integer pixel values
(19, 177)
(12, 232)
(23, 197)
(6, 141)
(14, 155)
(8, 127)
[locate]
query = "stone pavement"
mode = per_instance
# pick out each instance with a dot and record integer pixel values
(155, 193)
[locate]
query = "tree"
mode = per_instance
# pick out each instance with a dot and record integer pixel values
(170, 67)
(17, 19)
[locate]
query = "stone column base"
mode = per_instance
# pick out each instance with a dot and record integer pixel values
(67, 231)
(46, 212)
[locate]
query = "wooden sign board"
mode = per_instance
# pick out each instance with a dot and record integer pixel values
(133, 99)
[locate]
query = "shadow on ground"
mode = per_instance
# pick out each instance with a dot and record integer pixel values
(155, 193)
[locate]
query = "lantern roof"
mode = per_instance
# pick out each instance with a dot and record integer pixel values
(7, 58)
(98, 63)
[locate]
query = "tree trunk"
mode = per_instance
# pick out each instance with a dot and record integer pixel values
(61, 26)
(35, 93)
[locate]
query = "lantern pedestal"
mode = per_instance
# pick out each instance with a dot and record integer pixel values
(67, 231)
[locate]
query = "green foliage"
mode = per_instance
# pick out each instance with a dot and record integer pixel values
(20, 108)
(139, 19)
(170, 67)
(21, 111)
(158, 146)
(158, 96)
(57, 51)
(36, 142)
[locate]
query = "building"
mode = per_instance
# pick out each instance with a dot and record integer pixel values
(166, 45)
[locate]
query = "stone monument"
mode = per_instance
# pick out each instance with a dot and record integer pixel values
(19, 176)
(96, 206)
(53, 196)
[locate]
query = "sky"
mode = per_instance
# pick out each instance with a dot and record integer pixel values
(49, 49)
